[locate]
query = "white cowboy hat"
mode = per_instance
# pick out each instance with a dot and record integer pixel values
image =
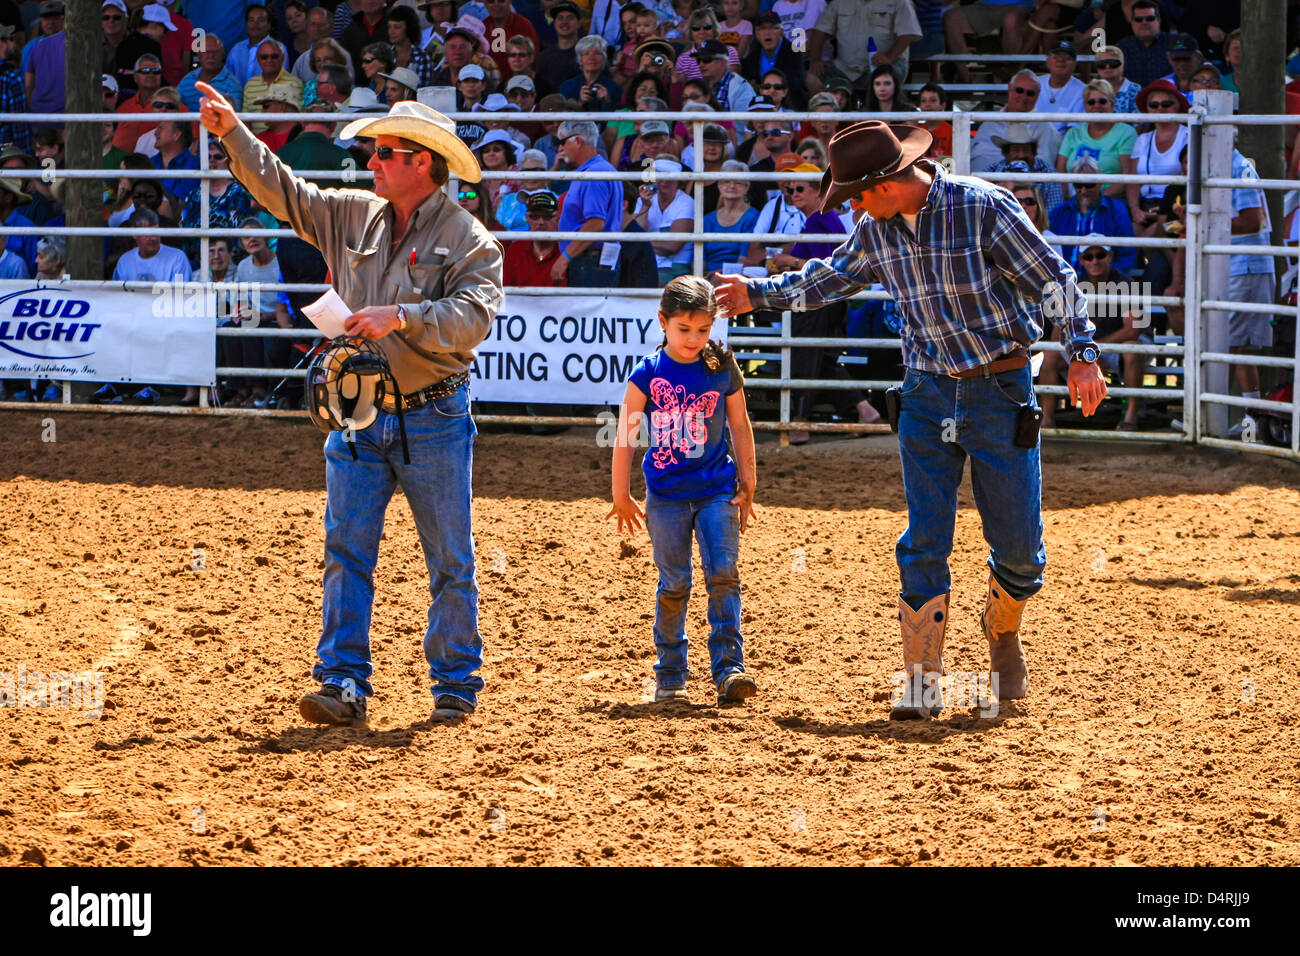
(421, 124)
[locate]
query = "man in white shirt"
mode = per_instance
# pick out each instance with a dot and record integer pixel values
(1022, 95)
(1059, 90)
(150, 260)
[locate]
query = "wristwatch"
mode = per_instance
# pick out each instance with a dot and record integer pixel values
(1089, 354)
(401, 319)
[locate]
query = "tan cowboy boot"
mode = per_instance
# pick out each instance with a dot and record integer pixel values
(1008, 674)
(923, 634)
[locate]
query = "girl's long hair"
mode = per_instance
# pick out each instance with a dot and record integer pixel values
(693, 294)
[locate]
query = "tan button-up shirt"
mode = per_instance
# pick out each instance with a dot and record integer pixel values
(449, 296)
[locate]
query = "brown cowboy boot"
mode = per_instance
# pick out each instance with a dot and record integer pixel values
(923, 634)
(1008, 674)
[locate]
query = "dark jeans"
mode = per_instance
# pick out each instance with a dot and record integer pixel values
(586, 272)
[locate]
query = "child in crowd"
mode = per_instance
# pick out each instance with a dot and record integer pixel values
(693, 392)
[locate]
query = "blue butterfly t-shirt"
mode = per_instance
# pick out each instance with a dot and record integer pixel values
(686, 412)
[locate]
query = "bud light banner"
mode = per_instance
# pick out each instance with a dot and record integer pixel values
(106, 335)
(568, 349)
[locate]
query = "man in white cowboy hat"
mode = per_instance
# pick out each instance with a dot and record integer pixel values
(973, 280)
(424, 277)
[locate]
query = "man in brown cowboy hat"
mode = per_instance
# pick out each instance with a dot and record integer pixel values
(424, 277)
(972, 278)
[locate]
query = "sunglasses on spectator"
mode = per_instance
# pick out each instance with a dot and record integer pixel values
(776, 132)
(537, 216)
(772, 86)
(1079, 186)
(164, 105)
(698, 29)
(1097, 101)
(1161, 104)
(112, 16)
(149, 69)
(468, 194)
(1026, 92)
(1027, 200)
(367, 60)
(1109, 64)
(1152, 18)
(516, 53)
(1094, 256)
(268, 56)
(385, 153)
(798, 189)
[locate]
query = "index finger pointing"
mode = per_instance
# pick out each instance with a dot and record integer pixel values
(210, 92)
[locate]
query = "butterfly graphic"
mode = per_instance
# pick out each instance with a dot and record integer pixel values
(680, 423)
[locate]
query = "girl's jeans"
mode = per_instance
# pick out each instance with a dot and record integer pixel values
(716, 524)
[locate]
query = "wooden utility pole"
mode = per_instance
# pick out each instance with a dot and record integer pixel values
(1261, 79)
(83, 198)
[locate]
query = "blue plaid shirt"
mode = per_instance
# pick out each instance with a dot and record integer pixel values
(13, 99)
(970, 286)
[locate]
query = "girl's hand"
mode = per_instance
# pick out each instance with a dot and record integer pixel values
(629, 515)
(744, 500)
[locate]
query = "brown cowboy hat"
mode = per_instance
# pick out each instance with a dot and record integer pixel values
(866, 153)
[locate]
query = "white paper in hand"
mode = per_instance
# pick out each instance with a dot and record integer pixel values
(328, 313)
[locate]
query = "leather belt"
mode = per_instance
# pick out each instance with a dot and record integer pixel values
(1012, 360)
(428, 394)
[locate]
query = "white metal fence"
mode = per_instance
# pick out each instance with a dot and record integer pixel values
(1203, 373)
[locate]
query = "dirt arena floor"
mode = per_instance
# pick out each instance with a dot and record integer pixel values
(1163, 725)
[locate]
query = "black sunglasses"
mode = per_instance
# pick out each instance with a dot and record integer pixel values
(385, 153)
(1097, 101)
(1024, 92)
(1161, 104)
(164, 105)
(1094, 256)
(1148, 19)
(1027, 200)
(1079, 186)
(541, 216)
(772, 86)
(1109, 64)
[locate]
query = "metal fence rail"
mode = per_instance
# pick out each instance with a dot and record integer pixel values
(1203, 370)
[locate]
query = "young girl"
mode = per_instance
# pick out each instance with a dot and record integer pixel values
(692, 390)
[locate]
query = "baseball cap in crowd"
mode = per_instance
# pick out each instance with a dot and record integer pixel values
(564, 6)
(787, 161)
(713, 133)
(471, 71)
(109, 82)
(838, 83)
(665, 165)
(521, 82)
(157, 13)
(52, 8)
(761, 104)
(321, 106)
(654, 128)
(1099, 242)
(554, 103)
(114, 3)
(1184, 48)
(1063, 46)
(543, 200)
(767, 19)
(406, 77)
(711, 50)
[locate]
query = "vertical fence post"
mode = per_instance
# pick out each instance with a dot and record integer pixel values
(697, 137)
(1192, 285)
(1216, 161)
(961, 143)
(787, 324)
(205, 268)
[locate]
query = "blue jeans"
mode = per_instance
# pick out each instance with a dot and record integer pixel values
(943, 422)
(437, 487)
(586, 272)
(716, 523)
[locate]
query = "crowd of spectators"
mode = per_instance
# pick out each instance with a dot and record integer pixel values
(513, 64)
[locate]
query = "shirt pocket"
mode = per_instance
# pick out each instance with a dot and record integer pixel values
(425, 278)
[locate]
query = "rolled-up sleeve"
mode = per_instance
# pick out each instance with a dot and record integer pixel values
(819, 282)
(1019, 252)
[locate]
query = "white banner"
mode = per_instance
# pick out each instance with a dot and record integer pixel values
(108, 335)
(570, 349)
